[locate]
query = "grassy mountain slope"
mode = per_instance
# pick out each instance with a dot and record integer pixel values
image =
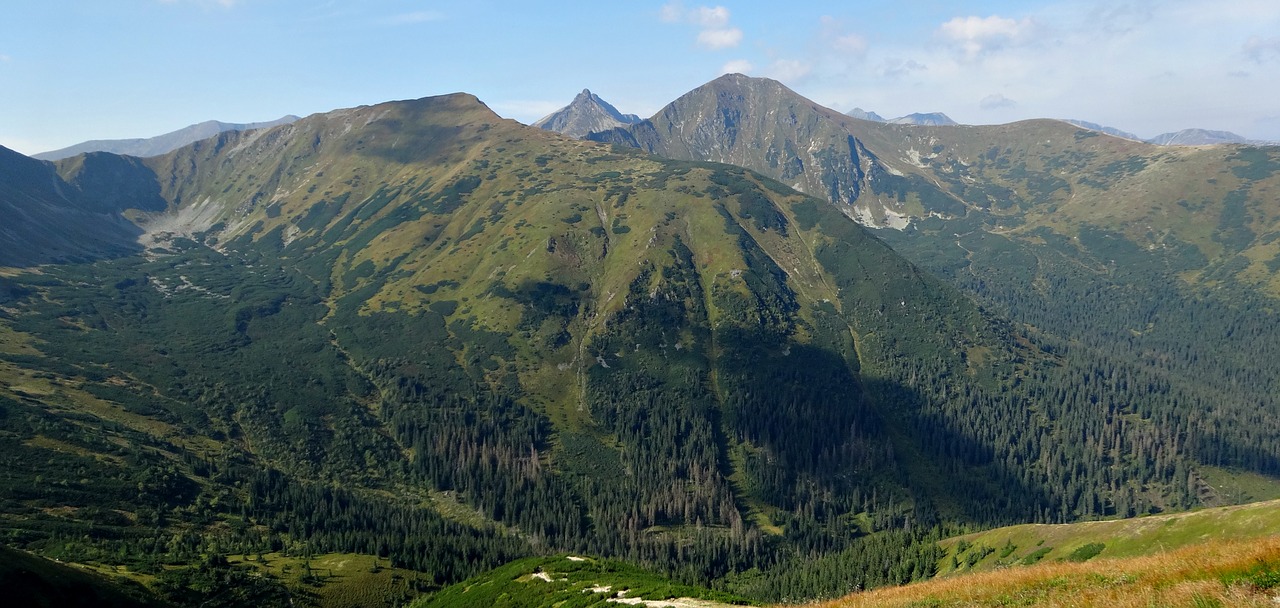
(1031, 543)
(419, 331)
(1216, 574)
(1145, 270)
(573, 581)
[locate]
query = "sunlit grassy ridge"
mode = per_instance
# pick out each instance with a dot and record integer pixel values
(1223, 574)
(1032, 543)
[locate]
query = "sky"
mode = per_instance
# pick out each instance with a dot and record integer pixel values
(75, 70)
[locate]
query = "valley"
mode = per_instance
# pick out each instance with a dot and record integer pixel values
(422, 338)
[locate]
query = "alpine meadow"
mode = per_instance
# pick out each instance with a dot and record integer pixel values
(750, 350)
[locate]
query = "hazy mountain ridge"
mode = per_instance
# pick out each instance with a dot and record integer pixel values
(1093, 126)
(160, 144)
(931, 119)
(918, 118)
(1198, 137)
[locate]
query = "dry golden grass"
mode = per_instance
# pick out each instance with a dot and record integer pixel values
(1194, 577)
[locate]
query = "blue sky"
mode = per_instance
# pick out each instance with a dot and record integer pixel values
(73, 70)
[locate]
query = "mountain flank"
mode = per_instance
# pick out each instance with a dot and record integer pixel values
(419, 333)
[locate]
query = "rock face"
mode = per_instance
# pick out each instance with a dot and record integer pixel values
(160, 144)
(757, 122)
(585, 114)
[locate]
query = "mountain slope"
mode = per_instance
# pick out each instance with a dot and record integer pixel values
(585, 114)
(422, 331)
(154, 146)
(1128, 260)
(1233, 574)
(53, 217)
(32, 581)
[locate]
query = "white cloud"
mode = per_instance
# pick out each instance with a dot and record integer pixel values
(850, 43)
(720, 39)
(737, 66)
(5, 58)
(672, 12)
(974, 36)
(787, 70)
(715, 33)
(996, 101)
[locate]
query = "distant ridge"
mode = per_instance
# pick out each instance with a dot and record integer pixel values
(930, 119)
(1197, 137)
(1093, 126)
(587, 113)
(862, 114)
(160, 144)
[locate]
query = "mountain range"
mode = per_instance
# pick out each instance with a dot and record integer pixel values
(749, 342)
(155, 146)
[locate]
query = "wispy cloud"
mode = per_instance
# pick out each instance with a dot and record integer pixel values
(222, 3)
(997, 101)
(715, 33)
(412, 18)
(737, 66)
(788, 70)
(897, 67)
(836, 37)
(1262, 50)
(726, 38)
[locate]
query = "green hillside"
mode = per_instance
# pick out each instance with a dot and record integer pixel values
(418, 331)
(572, 581)
(1031, 543)
(1143, 270)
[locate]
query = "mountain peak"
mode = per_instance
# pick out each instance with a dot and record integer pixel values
(865, 115)
(587, 113)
